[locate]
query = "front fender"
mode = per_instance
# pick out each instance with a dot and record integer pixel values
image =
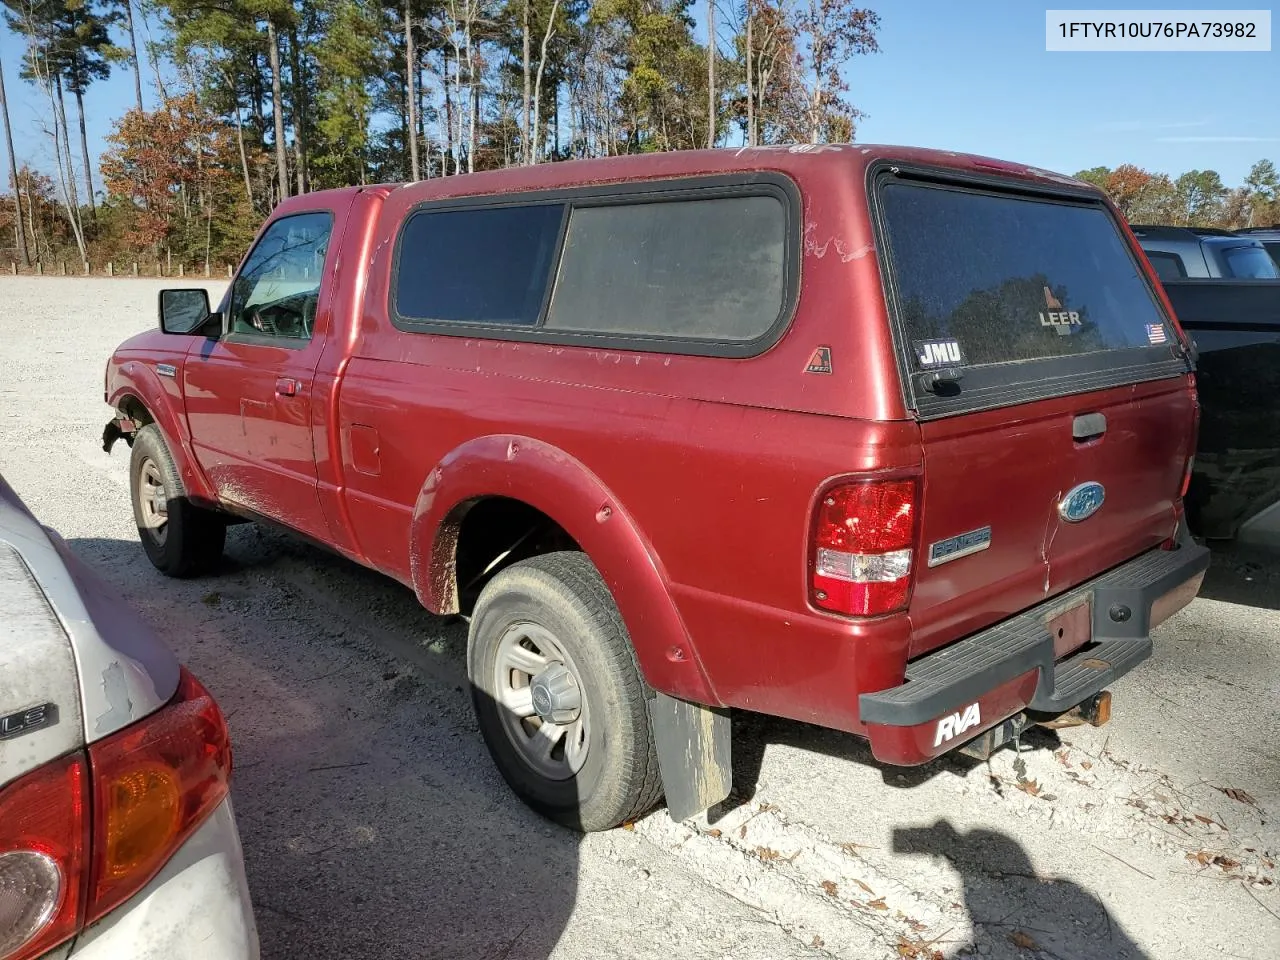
(162, 398)
(548, 479)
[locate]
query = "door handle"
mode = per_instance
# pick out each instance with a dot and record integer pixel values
(288, 387)
(1088, 426)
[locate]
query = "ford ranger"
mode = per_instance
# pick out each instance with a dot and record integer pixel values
(889, 440)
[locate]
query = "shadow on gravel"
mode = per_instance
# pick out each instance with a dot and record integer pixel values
(1012, 905)
(373, 821)
(754, 732)
(1247, 576)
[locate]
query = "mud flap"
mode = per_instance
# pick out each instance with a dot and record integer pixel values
(694, 757)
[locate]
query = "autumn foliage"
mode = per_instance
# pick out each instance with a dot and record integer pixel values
(173, 175)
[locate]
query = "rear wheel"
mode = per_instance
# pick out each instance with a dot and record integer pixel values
(558, 694)
(179, 538)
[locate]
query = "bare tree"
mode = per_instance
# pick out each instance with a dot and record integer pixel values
(20, 232)
(277, 110)
(410, 64)
(537, 90)
(711, 74)
(525, 152)
(835, 31)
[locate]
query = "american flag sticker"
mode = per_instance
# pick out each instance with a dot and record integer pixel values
(1156, 334)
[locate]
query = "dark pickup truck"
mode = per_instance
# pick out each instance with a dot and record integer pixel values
(1235, 486)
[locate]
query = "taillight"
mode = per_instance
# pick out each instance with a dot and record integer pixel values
(1186, 477)
(154, 783)
(43, 821)
(862, 547)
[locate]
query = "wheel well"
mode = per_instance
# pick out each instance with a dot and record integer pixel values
(491, 533)
(132, 408)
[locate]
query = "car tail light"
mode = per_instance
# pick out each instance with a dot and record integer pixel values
(43, 822)
(154, 783)
(862, 547)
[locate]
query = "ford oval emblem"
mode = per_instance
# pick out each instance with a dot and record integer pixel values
(1082, 502)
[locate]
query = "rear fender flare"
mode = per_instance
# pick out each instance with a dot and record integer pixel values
(548, 479)
(138, 380)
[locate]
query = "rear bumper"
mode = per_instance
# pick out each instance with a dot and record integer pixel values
(953, 694)
(197, 906)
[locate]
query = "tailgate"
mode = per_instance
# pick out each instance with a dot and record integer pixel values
(1057, 414)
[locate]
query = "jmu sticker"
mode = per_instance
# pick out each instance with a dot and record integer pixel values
(938, 353)
(820, 362)
(952, 726)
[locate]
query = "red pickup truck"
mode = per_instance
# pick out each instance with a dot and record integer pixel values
(888, 440)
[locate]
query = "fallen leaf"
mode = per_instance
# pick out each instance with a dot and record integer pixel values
(1203, 857)
(1226, 863)
(914, 924)
(852, 848)
(916, 949)
(817, 941)
(742, 832)
(864, 887)
(1062, 758)
(878, 904)
(1087, 764)
(768, 853)
(714, 832)
(829, 888)
(1135, 802)
(1263, 882)
(1029, 787)
(1023, 940)
(1049, 796)
(1238, 795)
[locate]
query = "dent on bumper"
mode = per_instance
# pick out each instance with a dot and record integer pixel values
(197, 907)
(977, 682)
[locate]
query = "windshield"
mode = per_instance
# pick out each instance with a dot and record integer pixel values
(989, 278)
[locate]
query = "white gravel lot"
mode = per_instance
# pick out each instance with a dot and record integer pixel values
(375, 826)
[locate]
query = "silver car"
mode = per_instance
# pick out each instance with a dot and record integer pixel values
(117, 837)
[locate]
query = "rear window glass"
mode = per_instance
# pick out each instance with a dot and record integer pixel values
(710, 269)
(477, 266)
(1010, 279)
(1249, 263)
(1168, 266)
(1274, 250)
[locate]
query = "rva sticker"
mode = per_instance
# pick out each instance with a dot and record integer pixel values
(938, 353)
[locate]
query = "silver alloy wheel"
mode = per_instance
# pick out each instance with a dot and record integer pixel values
(152, 500)
(541, 701)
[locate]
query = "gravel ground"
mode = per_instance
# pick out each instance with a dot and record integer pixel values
(375, 826)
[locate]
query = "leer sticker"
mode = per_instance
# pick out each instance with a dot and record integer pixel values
(820, 362)
(1061, 320)
(938, 353)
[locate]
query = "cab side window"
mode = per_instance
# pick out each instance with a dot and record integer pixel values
(276, 293)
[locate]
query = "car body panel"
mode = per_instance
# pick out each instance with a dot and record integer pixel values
(197, 906)
(1236, 482)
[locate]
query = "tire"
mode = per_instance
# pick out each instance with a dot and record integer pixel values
(557, 606)
(180, 540)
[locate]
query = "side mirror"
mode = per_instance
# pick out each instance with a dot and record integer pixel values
(186, 313)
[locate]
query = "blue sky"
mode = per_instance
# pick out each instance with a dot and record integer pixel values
(966, 77)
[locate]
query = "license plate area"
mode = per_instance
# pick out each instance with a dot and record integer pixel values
(1071, 628)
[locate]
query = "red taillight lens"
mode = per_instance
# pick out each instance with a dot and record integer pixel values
(862, 540)
(154, 783)
(1186, 477)
(43, 821)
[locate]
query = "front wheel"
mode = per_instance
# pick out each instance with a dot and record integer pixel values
(559, 696)
(179, 538)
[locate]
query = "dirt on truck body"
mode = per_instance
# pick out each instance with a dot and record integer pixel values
(888, 440)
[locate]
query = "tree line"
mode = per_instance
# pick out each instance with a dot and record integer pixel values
(259, 100)
(1197, 198)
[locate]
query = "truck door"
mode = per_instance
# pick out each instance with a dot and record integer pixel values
(248, 394)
